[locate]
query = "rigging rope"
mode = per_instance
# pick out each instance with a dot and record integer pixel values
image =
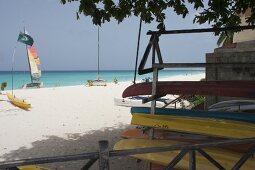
(13, 54)
(137, 50)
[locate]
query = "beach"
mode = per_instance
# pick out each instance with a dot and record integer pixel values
(66, 120)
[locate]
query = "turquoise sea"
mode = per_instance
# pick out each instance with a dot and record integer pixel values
(69, 78)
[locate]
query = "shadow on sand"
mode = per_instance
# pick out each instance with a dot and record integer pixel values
(74, 144)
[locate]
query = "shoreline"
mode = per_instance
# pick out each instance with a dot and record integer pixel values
(192, 77)
(59, 79)
(67, 114)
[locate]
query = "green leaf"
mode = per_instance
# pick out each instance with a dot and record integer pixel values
(218, 13)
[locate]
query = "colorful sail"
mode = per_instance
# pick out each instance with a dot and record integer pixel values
(35, 65)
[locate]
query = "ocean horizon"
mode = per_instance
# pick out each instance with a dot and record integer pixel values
(72, 78)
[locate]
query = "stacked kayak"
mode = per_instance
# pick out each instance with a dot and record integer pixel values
(222, 124)
(244, 89)
(182, 126)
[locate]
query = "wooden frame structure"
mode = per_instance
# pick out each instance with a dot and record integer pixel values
(153, 44)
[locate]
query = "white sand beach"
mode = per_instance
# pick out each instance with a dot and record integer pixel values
(64, 120)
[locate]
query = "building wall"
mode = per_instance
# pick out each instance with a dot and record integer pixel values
(246, 35)
(242, 50)
(232, 73)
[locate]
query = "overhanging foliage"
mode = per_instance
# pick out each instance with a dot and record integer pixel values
(218, 13)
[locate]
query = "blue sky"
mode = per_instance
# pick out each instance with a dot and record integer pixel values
(64, 43)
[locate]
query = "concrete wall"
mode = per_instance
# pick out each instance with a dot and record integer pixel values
(242, 50)
(241, 53)
(246, 35)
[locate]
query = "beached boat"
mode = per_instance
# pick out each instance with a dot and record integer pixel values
(225, 157)
(206, 126)
(234, 106)
(98, 81)
(137, 101)
(161, 134)
(240, 88)
(167, 135)
(220, 115)
(18, 102)
(35, 68)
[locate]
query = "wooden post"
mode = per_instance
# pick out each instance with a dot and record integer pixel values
(89, 164)
(103, 155)
(153, 93)
(192, 160)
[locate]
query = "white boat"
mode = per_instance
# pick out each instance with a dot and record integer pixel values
(98, 82)
(32, 85)
(234, 106)
(136, 101)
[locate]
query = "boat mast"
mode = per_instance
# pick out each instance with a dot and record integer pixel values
(13, 54)
(28, 59)
(98, 53)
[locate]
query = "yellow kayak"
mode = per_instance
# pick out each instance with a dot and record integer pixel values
(226, 158)
(18, 102)
(32, 167)
(215, 127)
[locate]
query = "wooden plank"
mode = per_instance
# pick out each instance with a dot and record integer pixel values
(185, 31)
(192, 160)
(43, 160)
(88, 164)
(201, 65)
(103, 155)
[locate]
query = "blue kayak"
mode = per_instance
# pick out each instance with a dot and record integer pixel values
(236, 116)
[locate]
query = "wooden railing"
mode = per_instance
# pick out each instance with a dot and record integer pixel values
(104, 154)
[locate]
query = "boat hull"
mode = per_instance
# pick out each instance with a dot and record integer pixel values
(32, 85)
(161, 134)
(135, 102)
(207, 126)
(99, 82)
(236, 116)
(243, 89)
(18, 102)
(234, 106)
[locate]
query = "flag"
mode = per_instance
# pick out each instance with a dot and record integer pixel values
(25, 38)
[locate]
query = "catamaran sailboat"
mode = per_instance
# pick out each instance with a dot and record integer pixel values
(98, 81)
(35, 68)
